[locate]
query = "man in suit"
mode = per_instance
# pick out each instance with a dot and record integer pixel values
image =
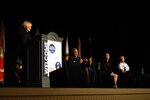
(78, 75)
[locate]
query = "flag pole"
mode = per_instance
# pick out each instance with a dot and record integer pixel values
(90, 52)
(79, 47)
(67, 49)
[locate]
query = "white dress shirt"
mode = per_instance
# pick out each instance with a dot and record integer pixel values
(124, 66)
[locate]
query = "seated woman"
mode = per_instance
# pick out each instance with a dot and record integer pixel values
(107, 70)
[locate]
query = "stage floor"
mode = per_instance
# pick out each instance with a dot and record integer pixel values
(75, 93)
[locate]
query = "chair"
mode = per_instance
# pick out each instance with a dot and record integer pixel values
(107, 81)
(129, 79)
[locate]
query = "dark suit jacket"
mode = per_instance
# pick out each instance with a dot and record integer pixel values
(23, 42)
(106, 68)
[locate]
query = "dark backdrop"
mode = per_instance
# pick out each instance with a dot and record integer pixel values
(120, 27)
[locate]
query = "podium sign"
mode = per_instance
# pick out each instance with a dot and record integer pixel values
(44, 55)
(52, 56)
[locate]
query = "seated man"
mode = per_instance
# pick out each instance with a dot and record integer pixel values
(77, 70)
(127, 76)
(74, 59)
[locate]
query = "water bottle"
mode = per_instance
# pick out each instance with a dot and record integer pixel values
(99, 66)
(142, 71)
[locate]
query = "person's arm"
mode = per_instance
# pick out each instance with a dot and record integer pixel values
(127, 67)
(121, 68)
(80, 61)
(84, 62)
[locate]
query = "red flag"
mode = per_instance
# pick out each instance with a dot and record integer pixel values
(2, 49)
(67, 49)
(79, 47)
(1, 65)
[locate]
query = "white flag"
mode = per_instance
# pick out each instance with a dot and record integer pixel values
(67, 49)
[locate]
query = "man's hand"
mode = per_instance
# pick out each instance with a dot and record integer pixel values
(81, 61)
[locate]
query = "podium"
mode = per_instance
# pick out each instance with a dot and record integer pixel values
(44, 55)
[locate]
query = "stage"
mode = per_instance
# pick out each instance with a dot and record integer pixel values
(74, 94)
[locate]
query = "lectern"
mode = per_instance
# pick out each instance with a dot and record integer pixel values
(43, 56)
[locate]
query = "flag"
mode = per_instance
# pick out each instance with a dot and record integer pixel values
(79, 47)
(2, 50)
(1, 64)
(90, 52)
(67, 49)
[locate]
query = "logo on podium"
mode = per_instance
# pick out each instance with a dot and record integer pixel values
(51, 48)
